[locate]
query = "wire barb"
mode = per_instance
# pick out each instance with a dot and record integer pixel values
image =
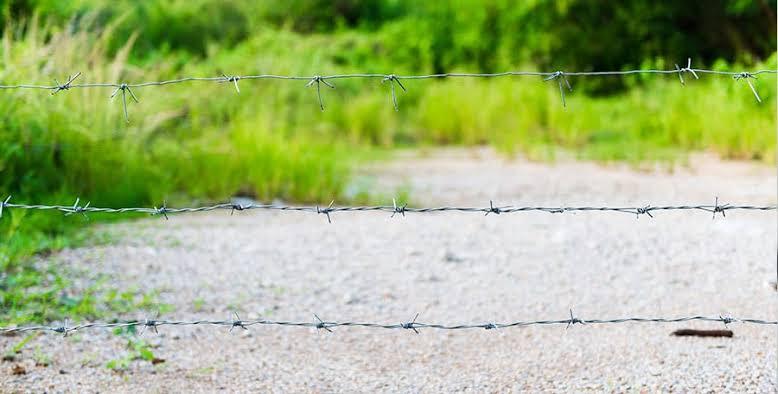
(727, 319)
(124, 88)
(492, 209)
(150, 324)
(643, 211)
(163, 210)
(320, 324)
(236, 322)
(560, 76)
(4, 204)
(392, 79)
(574, 320)
(66, 85)
(234, 79)
(77, 209)
(411, 325)
(720, 208)
(396, 209)
(687, 69)
(748, 77)
(318, 80)
(236, 207)
(63, 329)
(326, 211)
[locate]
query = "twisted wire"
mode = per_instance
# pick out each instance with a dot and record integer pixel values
(318, 323)
(393, 77)
(317, 80)
(393, 209)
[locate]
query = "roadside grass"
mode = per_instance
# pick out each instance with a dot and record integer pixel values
(77, 143)
(36, 290)
(656, 120)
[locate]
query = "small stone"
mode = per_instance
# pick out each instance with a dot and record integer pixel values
(351, 299)
(450, 257)
(18, 369)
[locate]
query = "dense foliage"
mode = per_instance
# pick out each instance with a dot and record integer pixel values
(486, 34)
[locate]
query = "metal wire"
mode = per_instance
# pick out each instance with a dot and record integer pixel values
(317, 80)
(394, 209)
(320, 324)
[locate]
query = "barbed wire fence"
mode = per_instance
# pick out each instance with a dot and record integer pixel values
(414, 325)
(394, 209)
(124, 89)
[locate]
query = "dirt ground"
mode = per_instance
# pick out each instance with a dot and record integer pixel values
(449, 268)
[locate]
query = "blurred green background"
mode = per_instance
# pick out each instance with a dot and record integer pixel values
(192, 143)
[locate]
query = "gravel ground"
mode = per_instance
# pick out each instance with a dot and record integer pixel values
(450, 268)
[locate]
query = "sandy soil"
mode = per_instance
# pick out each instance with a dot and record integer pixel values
(450, 268)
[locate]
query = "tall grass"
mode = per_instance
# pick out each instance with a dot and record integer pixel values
(77, 143)
(658, 119)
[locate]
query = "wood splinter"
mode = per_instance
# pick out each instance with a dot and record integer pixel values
(688, 332)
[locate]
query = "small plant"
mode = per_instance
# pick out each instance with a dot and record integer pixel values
(137, 349)
(10, 354)
(41, 359)
(198, 304)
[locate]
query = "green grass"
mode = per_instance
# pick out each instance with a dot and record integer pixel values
(137, 349)
(192, 143)
(658, 119)
(77, 144)
(47, 290)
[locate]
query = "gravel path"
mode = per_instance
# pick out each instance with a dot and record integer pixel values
(450, 268)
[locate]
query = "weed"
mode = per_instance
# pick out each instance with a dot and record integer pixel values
(198, 304)
(11, 353)
(41, 359)
(137, 349)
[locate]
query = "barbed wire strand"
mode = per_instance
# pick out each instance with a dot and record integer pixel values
(394, 209)
(560, 76)
(413, 325)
